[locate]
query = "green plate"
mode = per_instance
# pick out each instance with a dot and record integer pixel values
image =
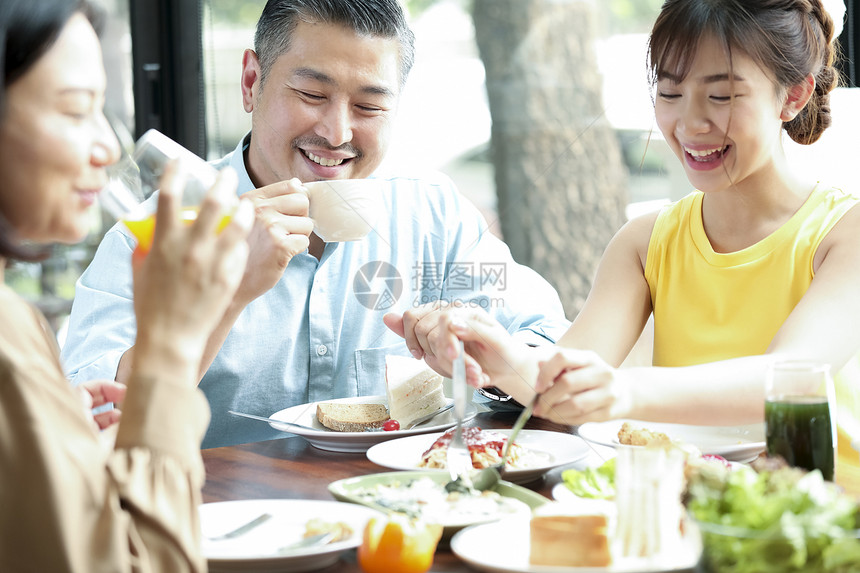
(347, 490)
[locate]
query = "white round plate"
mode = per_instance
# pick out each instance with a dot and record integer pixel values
(325, 439)
(257, 549)
(552, 449)
(560, 492)
(735, 443)
(503, 547)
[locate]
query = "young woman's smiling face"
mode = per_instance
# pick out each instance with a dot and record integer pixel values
(723, 122)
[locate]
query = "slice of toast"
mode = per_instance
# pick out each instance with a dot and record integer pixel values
(569, 541)
(351, 417)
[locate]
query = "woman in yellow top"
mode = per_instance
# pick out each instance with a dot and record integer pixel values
(758, 264)
(71, 499)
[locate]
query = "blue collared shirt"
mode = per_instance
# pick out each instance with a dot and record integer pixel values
(318, 333)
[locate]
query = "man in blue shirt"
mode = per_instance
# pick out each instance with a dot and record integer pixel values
(322, 85)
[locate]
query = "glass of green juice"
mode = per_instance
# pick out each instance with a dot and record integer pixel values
(136, 176)
(799, 415)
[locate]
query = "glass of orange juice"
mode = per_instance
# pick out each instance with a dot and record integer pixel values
(135, 178)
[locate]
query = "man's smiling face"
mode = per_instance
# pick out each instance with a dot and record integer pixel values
(326, 109)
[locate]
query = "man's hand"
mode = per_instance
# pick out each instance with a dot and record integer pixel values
(281, 230)
(431, 333)
(420, 327)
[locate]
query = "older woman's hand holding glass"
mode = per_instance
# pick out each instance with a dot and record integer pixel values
(69, 502)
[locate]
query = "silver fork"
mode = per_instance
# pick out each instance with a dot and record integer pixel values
(489, 476)
(242, 529)
(459, 460)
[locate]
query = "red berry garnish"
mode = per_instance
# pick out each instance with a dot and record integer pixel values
(718, 458)
(391, 425)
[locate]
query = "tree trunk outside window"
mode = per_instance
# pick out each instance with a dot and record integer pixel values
(560, 179)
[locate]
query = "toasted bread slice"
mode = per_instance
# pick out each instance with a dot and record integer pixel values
(351, 417)
(569, 541)
(571, 535)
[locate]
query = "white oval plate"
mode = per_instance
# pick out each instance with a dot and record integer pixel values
(257, 549)
(735, 443)
(553, 448)
(325, 439)
(503, 547)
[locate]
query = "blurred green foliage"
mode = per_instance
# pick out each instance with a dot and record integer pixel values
(620, 16)
(623, 16)
(244, 13)
(415, 7)
(627, 16)
(236, 13)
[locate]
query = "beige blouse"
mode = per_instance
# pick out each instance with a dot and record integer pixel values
(67, 502)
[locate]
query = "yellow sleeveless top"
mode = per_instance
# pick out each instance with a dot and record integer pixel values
(711, 306)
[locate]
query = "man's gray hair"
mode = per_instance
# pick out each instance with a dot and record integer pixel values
(375, 18)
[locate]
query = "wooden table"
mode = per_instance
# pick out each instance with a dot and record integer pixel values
(291, 468)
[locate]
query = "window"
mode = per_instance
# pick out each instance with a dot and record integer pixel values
(182, 77)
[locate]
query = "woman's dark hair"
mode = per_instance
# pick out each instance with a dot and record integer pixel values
(787, 38)
(28, 29)
(375, 18)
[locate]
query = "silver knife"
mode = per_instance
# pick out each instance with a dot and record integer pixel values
(430, 416)
(273, 421)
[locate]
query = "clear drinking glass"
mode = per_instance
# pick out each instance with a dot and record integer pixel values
(649, 482)
(847, 412)
(134, 179)
(799, 418)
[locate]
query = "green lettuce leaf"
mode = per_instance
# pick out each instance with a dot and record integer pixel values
(787, 520)
(596, 483)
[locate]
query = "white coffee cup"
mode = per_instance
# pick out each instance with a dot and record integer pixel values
(344, 209)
